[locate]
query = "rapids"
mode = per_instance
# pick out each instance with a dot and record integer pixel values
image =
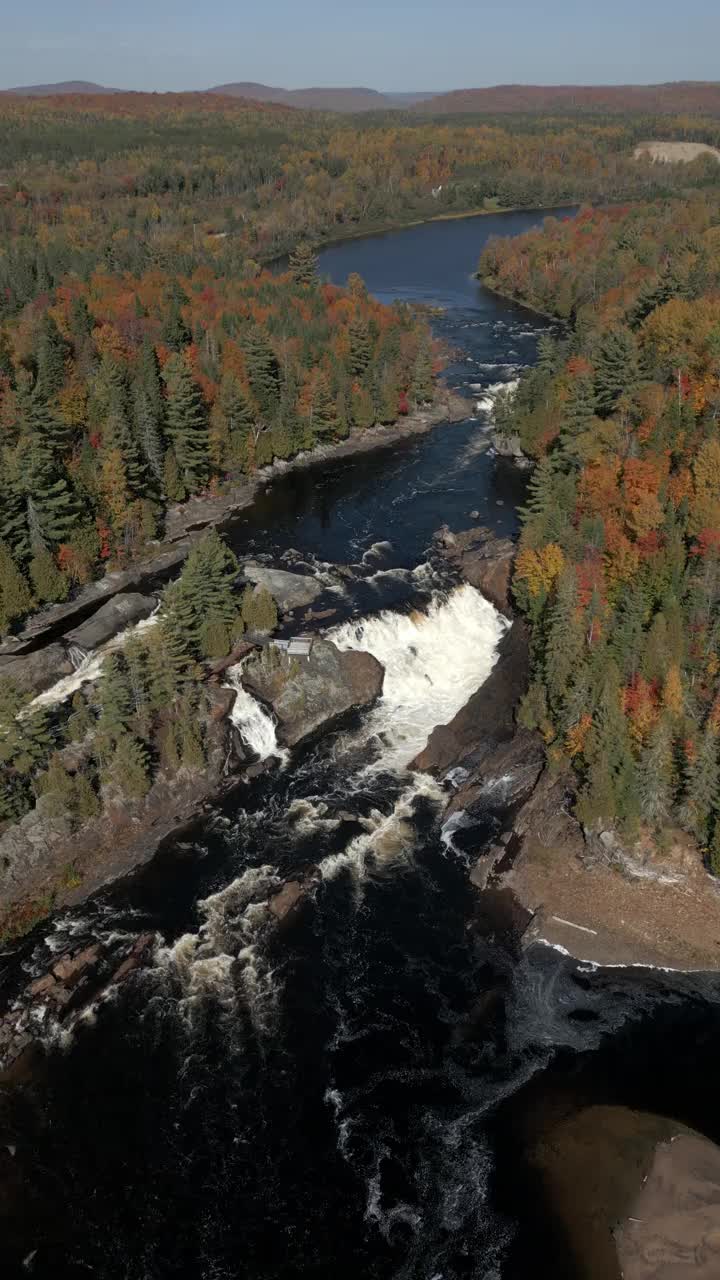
(330, 1098)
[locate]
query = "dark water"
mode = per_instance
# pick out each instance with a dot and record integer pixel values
(333, 1098)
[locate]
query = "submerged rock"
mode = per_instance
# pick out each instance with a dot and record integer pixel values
(307, 694)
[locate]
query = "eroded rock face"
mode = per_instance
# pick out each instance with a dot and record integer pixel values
(290, 590)
(307, 694)
(483, 560)
(110, 619)
(38, 671)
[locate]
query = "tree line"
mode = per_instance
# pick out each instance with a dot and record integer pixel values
(618, 567)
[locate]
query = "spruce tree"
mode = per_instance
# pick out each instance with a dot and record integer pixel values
(577, 414)
(187, 424)
(656, 775)
(52, 511)
(114, 699)
(422, 380)
(129, 768)
(702, 789)
(263, 371)
(50, 360)
(15, 596)
(49, 583)
(148, 433)
(360, 346)
(565, 642)
(617, 368)
(303, 265)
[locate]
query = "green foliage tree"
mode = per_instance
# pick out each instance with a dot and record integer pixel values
(187, 425)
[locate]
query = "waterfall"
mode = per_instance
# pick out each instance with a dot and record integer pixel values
(89, 666)
(254, 724)
(486, 402)
(433, 662)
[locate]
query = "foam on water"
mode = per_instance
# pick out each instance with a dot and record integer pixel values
(433, 662)
(90, 668)
(252, 721)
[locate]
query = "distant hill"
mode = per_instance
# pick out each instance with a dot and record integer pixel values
(654, 99)
(310, 99)
(64, 86)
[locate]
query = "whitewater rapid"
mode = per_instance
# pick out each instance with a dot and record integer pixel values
(434, 661)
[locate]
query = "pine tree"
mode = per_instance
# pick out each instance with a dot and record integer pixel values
(13, 515)
(48, 582)
(578, 413)
(118, 434)
(15, 596)
(81, 719)
(191, 754)
(173, 486)
(702, 789)
(175, 333)
(152, 382)
(203, 595)
(135, 654)
(7, 366)
(656, 775)
(148, 433)
(50, 359)
(617, 368)
(187, 425)
(114, 699)
(360, 347)
(303, 265)
(129, 768)
(422, 381)
(231, 420)
(44, 424)
(565, 642)
(51, 508)
(263, 371)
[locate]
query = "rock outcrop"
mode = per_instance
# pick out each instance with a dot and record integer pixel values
(37, 671)
(46, 863)
(488, 718)
(307, 694)
(111, 618)
(483, 560)
(290, 590)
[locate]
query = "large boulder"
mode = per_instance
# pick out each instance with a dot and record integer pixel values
(289, 590)
(483, 560)
(37, 671)
(307, 694)
(111, 618)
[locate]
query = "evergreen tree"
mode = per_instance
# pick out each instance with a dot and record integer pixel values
(117, 434)
(303, 265)
(203, 596)
(15, 596)
(187, 425)
(175, 333)
(263, 371)
(188, 737)
(617, 368)
(656, 775)
(578, 413)
(114, 699)
(360, 347)
(48, 582)
(148, 433)
(130, 768)
(51, 508)
(80, 721)
(13, 515)
(422, 380)
(50, 360)
(702, 789)
(565, 643)
(152, 382)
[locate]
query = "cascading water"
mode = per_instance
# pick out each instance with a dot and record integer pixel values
(254, 724)
(433, 662)
(320, 1100)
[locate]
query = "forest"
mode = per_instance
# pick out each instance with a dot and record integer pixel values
(618, 568)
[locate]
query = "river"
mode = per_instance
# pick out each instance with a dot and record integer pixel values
(333, 1098)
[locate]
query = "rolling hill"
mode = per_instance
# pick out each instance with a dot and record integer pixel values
(653, 99)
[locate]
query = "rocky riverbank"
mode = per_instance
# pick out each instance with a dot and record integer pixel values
(185, 524)
(584, 892)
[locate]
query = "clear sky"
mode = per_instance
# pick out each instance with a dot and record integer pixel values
(383, 44)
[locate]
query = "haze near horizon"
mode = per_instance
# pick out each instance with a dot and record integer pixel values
(389, 45)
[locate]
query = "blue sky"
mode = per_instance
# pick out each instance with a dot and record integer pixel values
(385, 44)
